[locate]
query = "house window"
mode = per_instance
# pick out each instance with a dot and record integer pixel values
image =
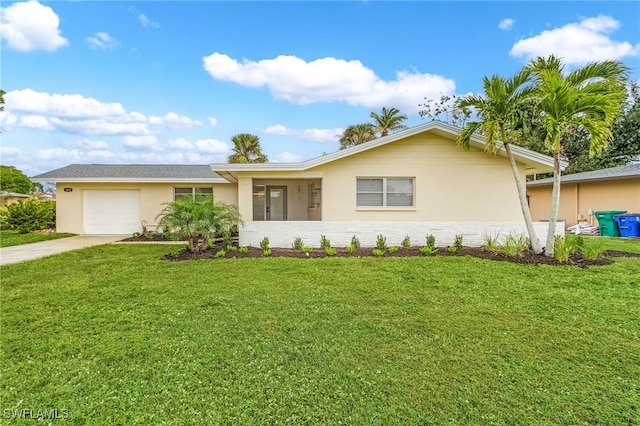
(384, 192)
(195, 193)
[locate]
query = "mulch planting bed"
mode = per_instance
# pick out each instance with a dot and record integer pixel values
(527, 257)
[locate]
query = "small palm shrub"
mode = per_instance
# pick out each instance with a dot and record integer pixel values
(307, 250)
(393, 249)
(244, 249)
(264, 244)
(221, 253)
(406, 242)
(266, 253)
(198, 219)
(350, 249)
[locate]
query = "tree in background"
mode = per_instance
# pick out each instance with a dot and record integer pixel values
(447, 110)
(497, 113)
(357, 134)
(388, 121)
(590, 98)
(246, 149)
(13, 180)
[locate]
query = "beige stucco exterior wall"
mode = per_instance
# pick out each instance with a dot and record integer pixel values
(152, 197)
(451, 185)
(577, 198)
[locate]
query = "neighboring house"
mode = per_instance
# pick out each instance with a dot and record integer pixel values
(616, 188)
(414, 182)
(11, 197)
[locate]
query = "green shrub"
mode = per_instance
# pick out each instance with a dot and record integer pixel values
(514, 245)
(377, 252)
(298, 244)
(491, 242)
(221, 253)
(324, 242)
(406, 242)
(381, 242)
(330, 251)
(593, 249)
(266, 252)
(29, 215)
(244, 250)
(393, 249)
(457, 242)
(428, 250)
(452, 249)
(350, 249)
(264, 244)
(307, 250)
(355, 242)
(231, 247)
(431, 241)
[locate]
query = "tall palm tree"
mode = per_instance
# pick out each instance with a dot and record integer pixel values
(388, 121)
(498, 114)
(356, 134)
(590, 98)
(246, 149)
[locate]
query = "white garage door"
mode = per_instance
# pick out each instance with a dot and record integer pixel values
(111, 212)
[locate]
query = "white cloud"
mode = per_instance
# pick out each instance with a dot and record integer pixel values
(181, 143)
(506, 24)
(141, 142)
(7, 121)
(313, 135)
(296, 81)
(62, 154)
(9, 151)
(28, 26)
(577, 43)
(286, 157)
(175, 121)
(212, 146)
(99, 127)
(68, 106)
(102, 40)
(213, 121)
(89, 144)
(35, 122)
(147, 22)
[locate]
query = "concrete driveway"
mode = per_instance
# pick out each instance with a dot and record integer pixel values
(15, 254)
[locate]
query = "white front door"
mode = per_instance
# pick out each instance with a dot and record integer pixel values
(276, 203)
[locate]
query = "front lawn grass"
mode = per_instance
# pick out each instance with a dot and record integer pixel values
(14, 238)
(115, 335)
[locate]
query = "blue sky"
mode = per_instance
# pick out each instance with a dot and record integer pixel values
(171, 82)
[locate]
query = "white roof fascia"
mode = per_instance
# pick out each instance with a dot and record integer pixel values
(128, 180)
(522, 154)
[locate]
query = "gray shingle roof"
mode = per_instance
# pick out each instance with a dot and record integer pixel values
(130, 173)
(621, 172)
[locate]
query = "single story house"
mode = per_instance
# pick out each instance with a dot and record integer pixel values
(414, 182)
(7, 198)
(616, 188)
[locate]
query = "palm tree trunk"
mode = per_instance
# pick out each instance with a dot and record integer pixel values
(522, 194)
(555, 205)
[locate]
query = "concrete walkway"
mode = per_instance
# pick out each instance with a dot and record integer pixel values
(15, 254)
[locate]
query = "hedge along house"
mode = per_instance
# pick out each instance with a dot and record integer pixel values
(616, 188)
(414, 182)
(119, 199)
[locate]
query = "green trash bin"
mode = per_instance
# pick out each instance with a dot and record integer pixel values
(607, 225)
